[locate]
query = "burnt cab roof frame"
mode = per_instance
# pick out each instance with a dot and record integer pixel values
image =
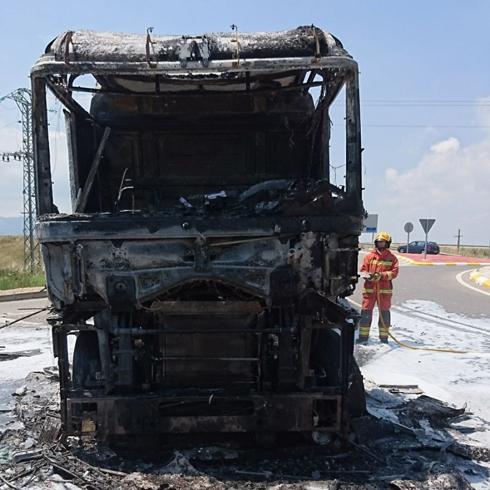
(302, 50)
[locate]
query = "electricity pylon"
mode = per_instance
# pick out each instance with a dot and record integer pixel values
(23, 99)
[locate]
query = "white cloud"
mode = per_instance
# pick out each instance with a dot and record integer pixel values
(451, 183)
(10, 172)
(446, 146)
(11, 197)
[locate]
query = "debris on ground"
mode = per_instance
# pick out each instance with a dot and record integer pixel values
(408, 389)
(414, 448)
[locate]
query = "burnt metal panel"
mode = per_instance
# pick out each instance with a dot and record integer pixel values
(294, 412)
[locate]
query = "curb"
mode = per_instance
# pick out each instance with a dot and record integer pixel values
(480, 279)
(417, 262)
(22, 293)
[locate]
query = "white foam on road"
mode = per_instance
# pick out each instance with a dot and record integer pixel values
(21, 338)
(459, 379)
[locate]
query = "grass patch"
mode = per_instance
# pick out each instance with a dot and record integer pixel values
(12, 279)
(12, 253)
(479, 252)
(12, 274)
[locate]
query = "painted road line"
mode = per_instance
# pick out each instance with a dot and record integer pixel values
(418, 262)
(446, 322)
(480, 279)
(402, 260)
(459, 278)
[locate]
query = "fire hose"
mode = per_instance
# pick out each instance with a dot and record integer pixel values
(403, 344)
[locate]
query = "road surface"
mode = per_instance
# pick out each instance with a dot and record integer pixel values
(448, 286)
(436, 308)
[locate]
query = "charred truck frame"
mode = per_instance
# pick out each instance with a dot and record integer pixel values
(204, 265)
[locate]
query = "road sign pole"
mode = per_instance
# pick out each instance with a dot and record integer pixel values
(426, 224)
(408, 228)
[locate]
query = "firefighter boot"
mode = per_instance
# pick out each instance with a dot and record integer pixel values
(365, 326)
(384, 325)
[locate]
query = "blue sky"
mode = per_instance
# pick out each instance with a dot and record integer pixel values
(431, 52)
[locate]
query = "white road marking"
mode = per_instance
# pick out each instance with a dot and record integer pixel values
(459, 278)
(460, 326)
(447, 322)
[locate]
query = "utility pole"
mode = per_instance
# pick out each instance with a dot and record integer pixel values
(23, 99)
(458, 236)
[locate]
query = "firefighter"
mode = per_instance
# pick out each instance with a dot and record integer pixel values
(379, 268)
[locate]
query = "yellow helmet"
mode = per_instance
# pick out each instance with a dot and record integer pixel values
(383, 236)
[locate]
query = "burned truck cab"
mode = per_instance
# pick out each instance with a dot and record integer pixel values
(205, 261)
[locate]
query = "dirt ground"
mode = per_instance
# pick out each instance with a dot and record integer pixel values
(424, 451)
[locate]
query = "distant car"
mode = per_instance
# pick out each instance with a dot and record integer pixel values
(418, 248)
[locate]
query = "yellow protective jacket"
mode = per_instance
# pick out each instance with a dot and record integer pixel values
(384, 262)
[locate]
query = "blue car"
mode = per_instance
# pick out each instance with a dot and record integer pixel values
(418, 248)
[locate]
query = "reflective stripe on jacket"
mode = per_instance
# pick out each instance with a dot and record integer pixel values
(384, 262)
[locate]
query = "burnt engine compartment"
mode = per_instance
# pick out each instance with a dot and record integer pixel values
(214, 345)
(212, 366)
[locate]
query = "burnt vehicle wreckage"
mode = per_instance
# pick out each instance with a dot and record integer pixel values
(205, 263)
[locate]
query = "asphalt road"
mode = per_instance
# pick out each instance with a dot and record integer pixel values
(441, 285)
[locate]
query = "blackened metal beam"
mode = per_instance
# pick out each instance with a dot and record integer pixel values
(67, 100)
(196, 92)
(83, 197)
(44, 190)
(353, 139)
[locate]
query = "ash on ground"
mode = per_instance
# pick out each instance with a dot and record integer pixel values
(412, 441)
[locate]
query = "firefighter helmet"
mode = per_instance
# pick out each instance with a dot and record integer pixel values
(383, 236)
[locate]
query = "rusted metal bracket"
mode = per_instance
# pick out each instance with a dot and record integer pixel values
(67, 40)
(194, 49)
(83, 196)
(149, 44)
(234, 28)
(318, 53)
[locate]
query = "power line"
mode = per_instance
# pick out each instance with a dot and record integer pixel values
(459, 126)
(388, 99)
(426, 126)
(427, 102)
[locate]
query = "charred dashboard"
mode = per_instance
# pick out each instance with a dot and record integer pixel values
(204, 262)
